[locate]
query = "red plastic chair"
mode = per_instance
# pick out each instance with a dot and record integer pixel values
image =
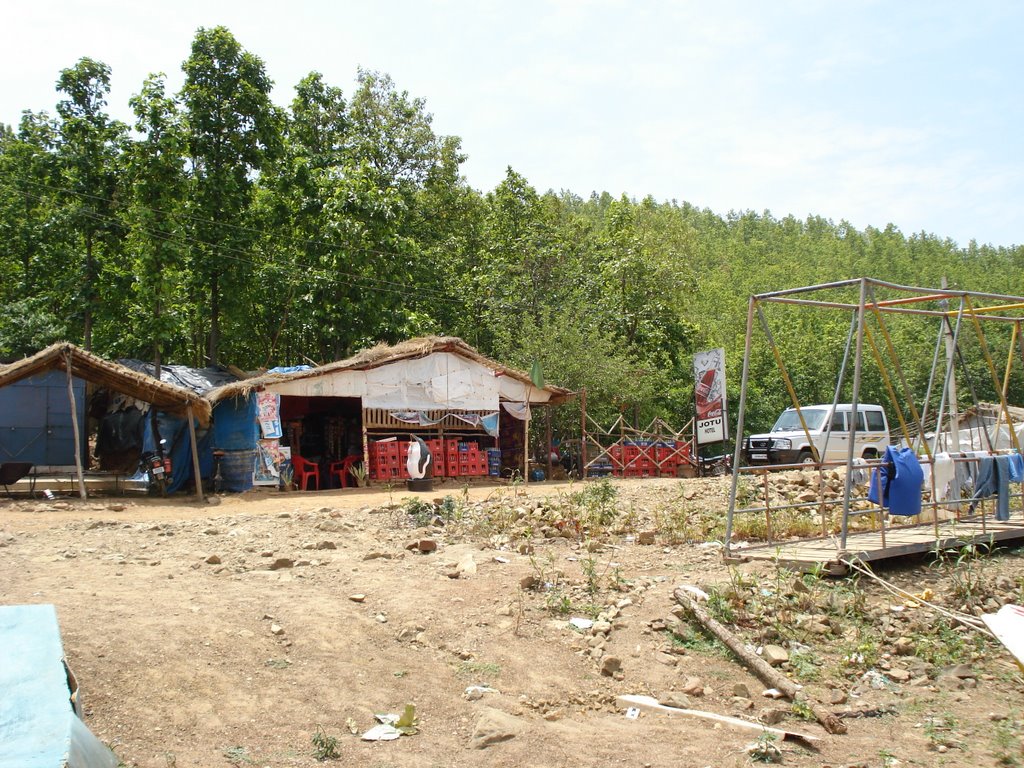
(340, 469)
(303, 470)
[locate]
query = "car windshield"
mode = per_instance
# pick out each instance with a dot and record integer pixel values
(789, 421)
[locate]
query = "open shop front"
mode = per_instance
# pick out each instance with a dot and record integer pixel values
(352, 420)
(464, 444)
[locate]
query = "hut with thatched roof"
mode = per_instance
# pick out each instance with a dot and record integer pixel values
(473, 411)
(77, 364)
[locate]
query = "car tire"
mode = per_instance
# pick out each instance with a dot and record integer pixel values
(805, 457)
(870, 454)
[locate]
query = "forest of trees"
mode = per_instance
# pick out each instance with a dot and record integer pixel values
(222, 228)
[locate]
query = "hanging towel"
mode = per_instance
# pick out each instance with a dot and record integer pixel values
(944, 470)
(896, 484)
(1016, 468)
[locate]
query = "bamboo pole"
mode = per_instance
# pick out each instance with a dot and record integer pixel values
(858, 359)
(74, 428)
(581, 463)
(547, 437)
(738, 447)
(196, 472)
(755, 663)
(789, 383)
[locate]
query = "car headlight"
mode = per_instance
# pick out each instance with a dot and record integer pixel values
(782, 444)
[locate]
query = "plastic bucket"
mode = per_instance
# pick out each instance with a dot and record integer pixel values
(236, 469)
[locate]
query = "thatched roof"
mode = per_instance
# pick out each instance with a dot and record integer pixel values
(104, 373)
(383, 354)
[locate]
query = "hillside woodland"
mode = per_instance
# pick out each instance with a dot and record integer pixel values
(220, 227)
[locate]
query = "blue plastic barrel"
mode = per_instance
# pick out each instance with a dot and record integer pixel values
(236, 469)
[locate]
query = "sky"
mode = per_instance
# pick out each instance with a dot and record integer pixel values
(905, 112)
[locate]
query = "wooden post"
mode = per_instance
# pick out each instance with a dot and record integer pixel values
(366, 448)
(196, 472)
(547, 446)
(74, 428)
(582, 461)
(526, 447)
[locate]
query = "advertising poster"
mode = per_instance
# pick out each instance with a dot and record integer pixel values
(709, 394)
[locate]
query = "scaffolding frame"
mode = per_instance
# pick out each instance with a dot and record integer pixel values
(909, 300)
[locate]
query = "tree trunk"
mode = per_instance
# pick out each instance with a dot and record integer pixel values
(214, 342)
(89, 280)
(755, 663)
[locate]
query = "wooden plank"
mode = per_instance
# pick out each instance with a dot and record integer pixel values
(901, 541)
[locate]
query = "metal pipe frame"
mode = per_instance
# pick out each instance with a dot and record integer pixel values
(791, 296)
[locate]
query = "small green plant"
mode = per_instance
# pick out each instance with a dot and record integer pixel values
(697, 642)
(278, 663)
(360, 473)
(1007, 745)
(479, 669)
(325, 747)
(802, 710)
(941, 731)
(237, 755)
(558, 602)
(765, 750)
(804, 665)
(421, 513)
(721, 607)
(967, 573)
(888, 758)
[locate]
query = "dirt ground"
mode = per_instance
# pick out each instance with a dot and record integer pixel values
(227, 633)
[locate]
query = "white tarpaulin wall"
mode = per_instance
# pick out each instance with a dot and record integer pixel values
(439, 380)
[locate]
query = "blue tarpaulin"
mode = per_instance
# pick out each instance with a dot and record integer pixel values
(39, 726)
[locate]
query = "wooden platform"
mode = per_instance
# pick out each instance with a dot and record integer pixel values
(807, 554)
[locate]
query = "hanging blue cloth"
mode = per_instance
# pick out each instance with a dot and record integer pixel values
(896, 484)
(994, 480)
(1016, 467)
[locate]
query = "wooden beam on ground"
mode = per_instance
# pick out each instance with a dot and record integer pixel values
(755, 663)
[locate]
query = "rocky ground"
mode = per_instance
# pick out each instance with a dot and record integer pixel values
(269, 629)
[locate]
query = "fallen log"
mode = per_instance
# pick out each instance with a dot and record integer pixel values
(755, 663)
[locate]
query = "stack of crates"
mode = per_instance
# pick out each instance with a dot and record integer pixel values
(494, 462)
(464, 459)
(634, 458)
(387, 460)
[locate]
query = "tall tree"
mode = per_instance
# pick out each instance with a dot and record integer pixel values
(157, 184)
(232, 131)
(89, 143)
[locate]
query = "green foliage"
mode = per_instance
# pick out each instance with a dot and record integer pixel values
(1007, 743)
(325, 747)
(225, 226)
(420, 513)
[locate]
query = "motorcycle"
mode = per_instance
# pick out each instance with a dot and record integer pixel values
(716, 466)
(157, 466)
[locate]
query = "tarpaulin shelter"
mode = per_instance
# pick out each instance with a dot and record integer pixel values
(432, 385)
(77, 363)
(128, 428)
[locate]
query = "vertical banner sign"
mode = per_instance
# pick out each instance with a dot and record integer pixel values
(709, 395)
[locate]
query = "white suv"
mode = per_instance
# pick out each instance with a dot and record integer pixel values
(829, 431)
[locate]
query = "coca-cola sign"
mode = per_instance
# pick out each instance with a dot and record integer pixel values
(709, 396)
